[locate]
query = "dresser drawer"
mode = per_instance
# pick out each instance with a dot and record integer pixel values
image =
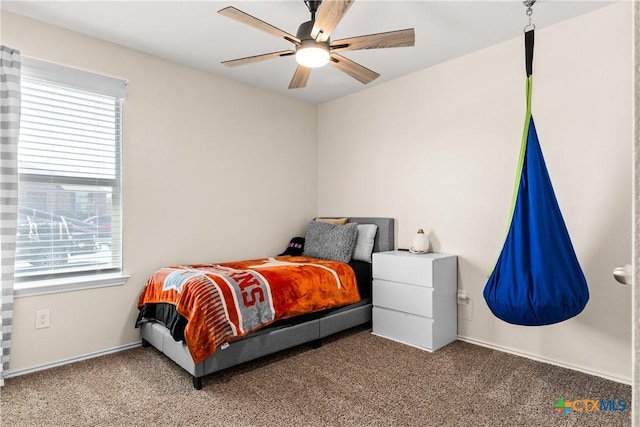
(404, 267)
(402, 297)
(403, 327)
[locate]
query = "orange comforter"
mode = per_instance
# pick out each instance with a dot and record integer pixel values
(222, 302)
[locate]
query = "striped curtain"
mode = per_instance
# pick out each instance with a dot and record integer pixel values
(9, 127)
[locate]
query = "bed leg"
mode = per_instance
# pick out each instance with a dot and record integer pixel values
(145, 343)
(316, 343)
(197, 383)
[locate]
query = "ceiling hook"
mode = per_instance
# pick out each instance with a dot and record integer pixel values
(529, 4)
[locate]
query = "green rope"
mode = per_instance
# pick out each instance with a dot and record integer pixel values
(523, 149)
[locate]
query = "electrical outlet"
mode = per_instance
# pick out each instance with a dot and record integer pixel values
(463, 298)
(42, 319)
(465, 305)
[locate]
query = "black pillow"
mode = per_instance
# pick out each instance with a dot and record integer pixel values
(295, 247)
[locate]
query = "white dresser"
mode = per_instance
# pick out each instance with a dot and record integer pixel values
(414, 298)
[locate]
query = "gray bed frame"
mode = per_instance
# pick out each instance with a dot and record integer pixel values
(274, 338)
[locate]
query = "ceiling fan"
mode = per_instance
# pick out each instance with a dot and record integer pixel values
(314, 48)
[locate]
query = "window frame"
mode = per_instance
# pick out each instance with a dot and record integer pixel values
(103, 85)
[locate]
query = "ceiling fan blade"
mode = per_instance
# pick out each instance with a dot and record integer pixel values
(400, 38)
(300, 77)
(328, 16)
(355, 70)
(257, 58)
(245, 18)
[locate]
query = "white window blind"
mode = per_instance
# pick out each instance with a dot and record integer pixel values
(69, 160)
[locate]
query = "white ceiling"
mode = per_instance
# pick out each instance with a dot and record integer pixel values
(194, 34)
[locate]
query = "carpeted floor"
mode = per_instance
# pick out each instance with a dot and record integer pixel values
(354, 379)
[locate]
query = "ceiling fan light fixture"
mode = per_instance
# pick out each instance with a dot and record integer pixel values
(312, 54)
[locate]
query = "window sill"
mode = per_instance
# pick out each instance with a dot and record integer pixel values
(56, 286)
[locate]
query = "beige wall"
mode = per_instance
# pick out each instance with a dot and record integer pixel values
(438, 150)
(213, 171)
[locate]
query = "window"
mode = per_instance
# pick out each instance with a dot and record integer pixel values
(69, 163)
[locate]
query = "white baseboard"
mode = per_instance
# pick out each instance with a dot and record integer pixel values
(626, 381)
(17, 372)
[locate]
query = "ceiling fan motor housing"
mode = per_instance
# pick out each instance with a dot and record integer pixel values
(308, 44)
(304, 32)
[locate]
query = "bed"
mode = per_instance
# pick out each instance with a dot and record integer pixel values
(161, 327)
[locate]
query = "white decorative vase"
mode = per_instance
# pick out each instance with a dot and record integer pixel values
(420, 243)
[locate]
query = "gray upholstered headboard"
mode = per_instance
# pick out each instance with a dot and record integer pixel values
(384, 240)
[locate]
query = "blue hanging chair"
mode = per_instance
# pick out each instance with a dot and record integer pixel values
(537, 279)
